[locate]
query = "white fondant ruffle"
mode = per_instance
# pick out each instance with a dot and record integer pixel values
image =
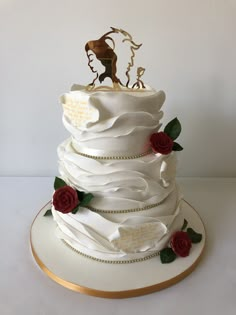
(136, 236)
(121, 122)
(119, 184)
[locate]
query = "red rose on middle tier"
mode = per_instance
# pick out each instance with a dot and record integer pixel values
(65, 199)
(161, 143)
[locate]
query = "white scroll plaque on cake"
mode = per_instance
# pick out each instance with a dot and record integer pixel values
(78, 109)
(141, 237)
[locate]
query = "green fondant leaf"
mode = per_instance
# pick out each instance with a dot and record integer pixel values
(58, 183)
(167, 255)
(194, 236)
(86, 200)
(177, 147)
(184, 225)
(173, 128)
(80, 194)
(48, 213)
(74, 211)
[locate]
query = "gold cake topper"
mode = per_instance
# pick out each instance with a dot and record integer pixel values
(105, 53)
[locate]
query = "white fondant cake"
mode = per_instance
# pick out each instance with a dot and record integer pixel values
(136, 205)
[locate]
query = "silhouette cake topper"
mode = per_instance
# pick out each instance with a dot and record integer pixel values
(105, 53)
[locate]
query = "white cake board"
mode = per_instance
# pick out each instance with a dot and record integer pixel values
(85, 275)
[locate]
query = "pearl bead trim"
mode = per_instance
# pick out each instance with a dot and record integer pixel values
(111, 261)
(114, 157)
(123, 210)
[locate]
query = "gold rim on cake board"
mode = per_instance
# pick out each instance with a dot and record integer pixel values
(123, 293)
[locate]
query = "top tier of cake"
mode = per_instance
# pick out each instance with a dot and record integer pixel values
(112, 124)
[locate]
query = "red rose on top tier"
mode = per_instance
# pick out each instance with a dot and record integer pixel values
(181, 243)
(65, 199)
(161, 143)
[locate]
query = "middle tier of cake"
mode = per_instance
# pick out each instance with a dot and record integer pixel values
(119, 184)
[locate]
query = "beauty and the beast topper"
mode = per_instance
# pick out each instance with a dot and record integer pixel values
(102, 61)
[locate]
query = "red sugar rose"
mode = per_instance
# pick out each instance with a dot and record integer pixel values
(161, 143)
(181, 243)
(65, 199)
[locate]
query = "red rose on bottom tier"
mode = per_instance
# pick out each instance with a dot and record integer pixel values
(65, 199)
(181, 243)
(161, 143)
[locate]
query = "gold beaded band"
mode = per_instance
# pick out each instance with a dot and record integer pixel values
(111, 261)
(114, 157)
(124, 210)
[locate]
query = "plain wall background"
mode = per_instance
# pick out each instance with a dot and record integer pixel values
(189, 51)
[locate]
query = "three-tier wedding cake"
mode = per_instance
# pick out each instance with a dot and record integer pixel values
(116, 214)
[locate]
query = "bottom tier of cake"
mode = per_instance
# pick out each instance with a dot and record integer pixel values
(120, 236)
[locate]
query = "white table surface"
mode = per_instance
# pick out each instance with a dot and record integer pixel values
(210, 289)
